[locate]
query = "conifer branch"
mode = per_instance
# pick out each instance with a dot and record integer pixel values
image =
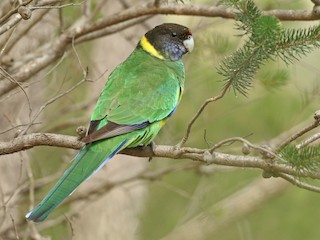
(266, 40)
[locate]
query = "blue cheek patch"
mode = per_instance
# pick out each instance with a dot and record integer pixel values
(174, 51)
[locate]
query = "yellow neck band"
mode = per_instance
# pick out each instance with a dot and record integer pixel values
(147, 46)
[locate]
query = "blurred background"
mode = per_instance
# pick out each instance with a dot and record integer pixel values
(211, 202)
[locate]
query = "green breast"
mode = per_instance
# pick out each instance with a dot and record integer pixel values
(142, 88)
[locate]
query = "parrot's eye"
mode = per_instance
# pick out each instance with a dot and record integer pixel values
(174, 34)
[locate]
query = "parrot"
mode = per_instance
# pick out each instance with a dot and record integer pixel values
(139, 96)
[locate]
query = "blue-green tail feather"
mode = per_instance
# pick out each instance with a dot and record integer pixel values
(85, 163)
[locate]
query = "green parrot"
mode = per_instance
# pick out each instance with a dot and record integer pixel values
(139, 96)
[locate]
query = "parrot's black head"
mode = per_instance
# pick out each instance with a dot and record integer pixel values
(168, 41)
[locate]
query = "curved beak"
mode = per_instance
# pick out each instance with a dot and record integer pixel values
(189, 43)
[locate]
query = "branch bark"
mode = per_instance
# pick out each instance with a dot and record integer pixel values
(201, 155)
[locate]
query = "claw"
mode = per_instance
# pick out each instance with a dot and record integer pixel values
(152, 145)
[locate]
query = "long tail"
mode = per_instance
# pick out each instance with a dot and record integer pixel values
(86, 163)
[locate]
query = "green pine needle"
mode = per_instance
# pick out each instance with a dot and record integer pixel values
(266, 40)
(246, 15)
(241, 67)
(304, 159)
(266, 31)
(295, 43)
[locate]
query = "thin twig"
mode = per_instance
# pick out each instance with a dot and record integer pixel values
(112, 29)
(84, 71)
(261, 149)
(309, 140)
(8, 96)
(195, 117)
(25, 187)
(33, 229)
(31, 185)
(52, 100)
(15, 17)
(70, 225)
(5, 74)
(58, 6)
(87, 8)
(13, 11)
(14, 227)
(61, 20)
(70, 123)
(3, 207)
(15, 127)
(6, 43)
(301, 132)
(98, 9)
(298, 183)
(20, 34)
(18, 182)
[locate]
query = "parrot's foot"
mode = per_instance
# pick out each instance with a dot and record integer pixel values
(152, 145)
(81, 131)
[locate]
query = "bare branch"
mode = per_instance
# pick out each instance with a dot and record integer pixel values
(41, 60)
(6, 75)
(298, 183)
(4, 44)
(87, 8)
(13, 11)
(39, 139)
(58, 6)
(98, 8)
(262, 150)
(12, 18)
(309, 140)
(201, 155)
(14, 227)
(112, 29)
(10, 24)
(55, 49)
(301, 132)
(52, 100)
(16, 189)
(19, 34)
(31, 185)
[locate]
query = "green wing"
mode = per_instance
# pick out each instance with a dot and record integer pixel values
(140, 91)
